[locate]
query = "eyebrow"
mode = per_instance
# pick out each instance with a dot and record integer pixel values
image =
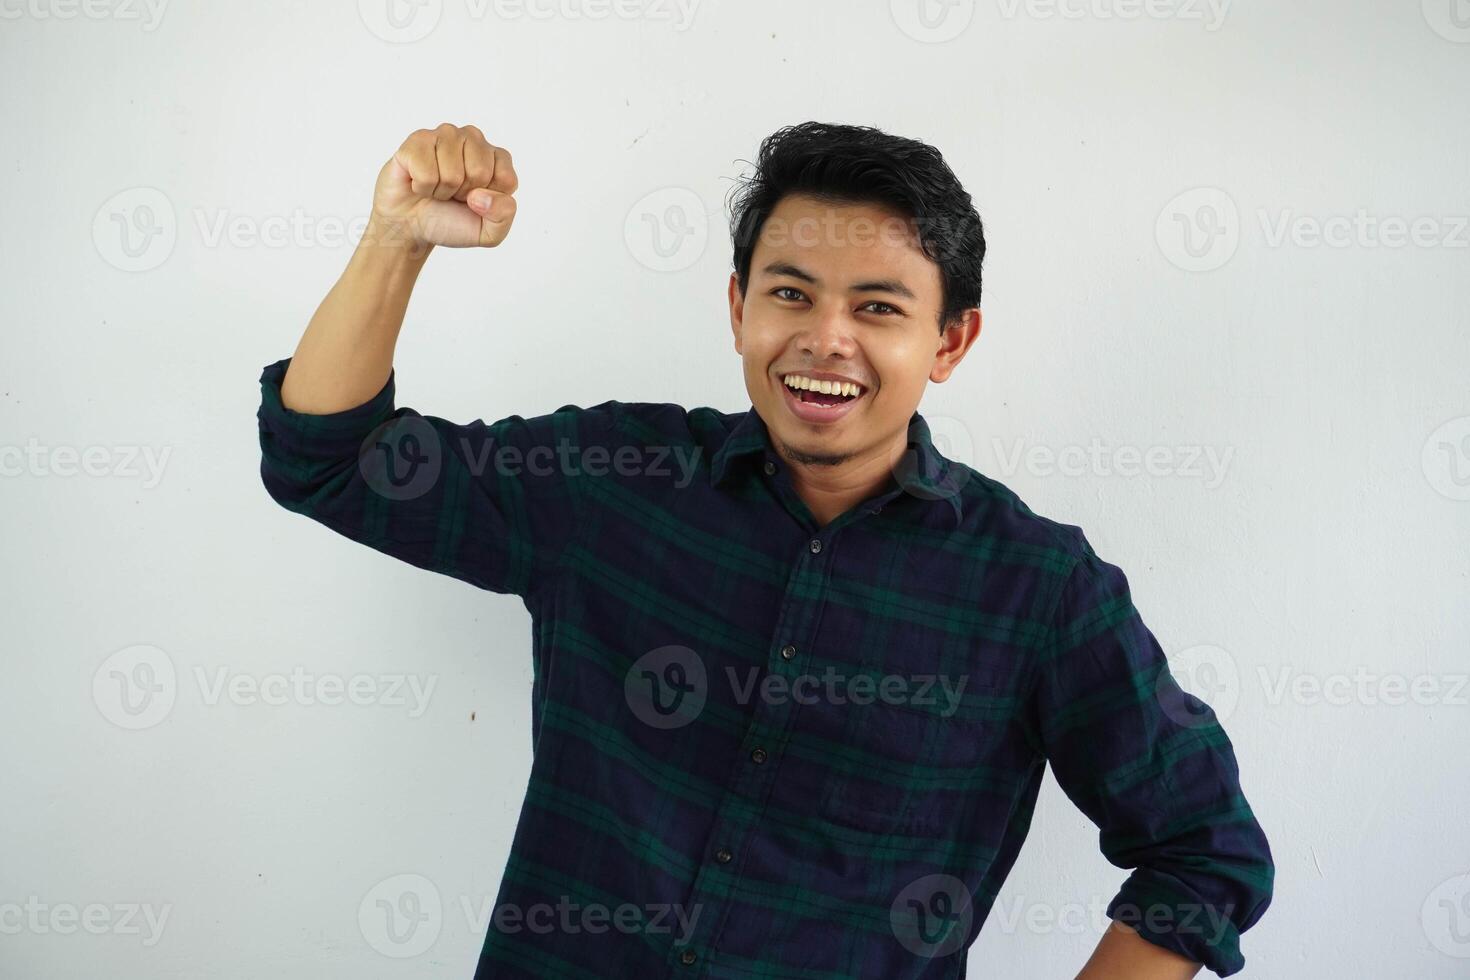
(874, 285)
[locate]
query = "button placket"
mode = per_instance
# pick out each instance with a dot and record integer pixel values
(770, 719)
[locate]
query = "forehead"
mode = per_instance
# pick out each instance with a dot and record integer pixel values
(848, 241)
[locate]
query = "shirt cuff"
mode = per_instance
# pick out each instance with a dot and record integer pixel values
(1167, 916)
(350, 425)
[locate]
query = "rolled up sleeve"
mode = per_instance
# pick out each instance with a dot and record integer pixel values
(494, 505)
(1150, 765)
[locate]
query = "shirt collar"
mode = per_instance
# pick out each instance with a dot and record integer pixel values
(922, 472)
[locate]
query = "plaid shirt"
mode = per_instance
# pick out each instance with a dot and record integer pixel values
(768, 748)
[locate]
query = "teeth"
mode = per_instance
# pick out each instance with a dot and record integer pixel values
(802, 383)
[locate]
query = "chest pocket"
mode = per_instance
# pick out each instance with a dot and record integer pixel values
(877, 779)
(932, 734)
(911, 769)
(918, 758)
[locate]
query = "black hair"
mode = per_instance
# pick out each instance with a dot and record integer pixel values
(843, 164)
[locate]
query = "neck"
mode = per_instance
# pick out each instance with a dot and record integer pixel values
(831, 486)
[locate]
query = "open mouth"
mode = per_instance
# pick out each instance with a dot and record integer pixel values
(819, 398)
(819, 401)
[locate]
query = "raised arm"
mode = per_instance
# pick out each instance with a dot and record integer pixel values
(496, 504)
(445, 186)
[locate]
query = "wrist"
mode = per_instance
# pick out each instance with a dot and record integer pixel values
(390, 244)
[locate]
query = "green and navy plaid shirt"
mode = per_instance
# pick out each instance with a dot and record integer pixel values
(765, 748)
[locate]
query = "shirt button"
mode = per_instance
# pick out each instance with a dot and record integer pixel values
(758, 755)
(816, 545)
(686, 957)
(788, 651)
(770, 467)
(723, 855)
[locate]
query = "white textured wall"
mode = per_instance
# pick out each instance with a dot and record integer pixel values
(1320, 539)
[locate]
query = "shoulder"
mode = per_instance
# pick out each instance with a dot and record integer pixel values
(996, 514)
(670, 418)
(1001, 523)
(649, 423)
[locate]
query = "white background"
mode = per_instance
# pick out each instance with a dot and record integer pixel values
(1329, 548)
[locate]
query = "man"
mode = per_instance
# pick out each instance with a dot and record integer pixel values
(797, 675)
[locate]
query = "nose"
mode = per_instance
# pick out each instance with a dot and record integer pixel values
(826, 334)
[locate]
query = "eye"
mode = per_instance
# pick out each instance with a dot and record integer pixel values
(788, 289)
(890, 307)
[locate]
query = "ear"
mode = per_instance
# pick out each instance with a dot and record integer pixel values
(737, 310)
(954, 342)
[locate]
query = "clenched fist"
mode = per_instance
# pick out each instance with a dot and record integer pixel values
(445, 186)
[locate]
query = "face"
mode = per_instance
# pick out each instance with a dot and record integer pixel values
(842, 292)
